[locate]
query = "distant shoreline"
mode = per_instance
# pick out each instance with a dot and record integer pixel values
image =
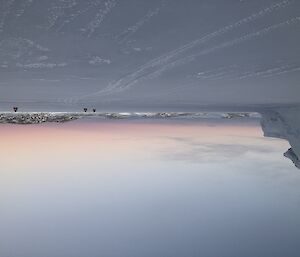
(60, 117)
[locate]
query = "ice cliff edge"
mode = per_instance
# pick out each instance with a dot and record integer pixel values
(284, 123)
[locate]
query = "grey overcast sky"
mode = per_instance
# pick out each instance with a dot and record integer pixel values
(158, 52)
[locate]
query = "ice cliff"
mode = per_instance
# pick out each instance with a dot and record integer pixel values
(284, 123)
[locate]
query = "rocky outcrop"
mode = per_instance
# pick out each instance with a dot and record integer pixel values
(41, 117)
(293, 157)
(35, 118)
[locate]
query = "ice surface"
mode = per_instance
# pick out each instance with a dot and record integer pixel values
(155, 53)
